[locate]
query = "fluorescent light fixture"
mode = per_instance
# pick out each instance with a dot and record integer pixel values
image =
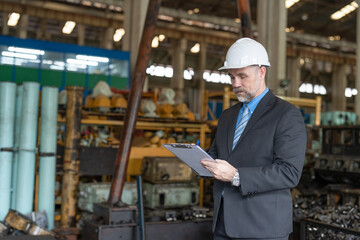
(57, 67)
(13, 19)
(289, 3)
(344, 11)
(195, 48)
(59, 63)
(81, 62)
(92, 58)
(18, 55)
(161, 37)
(26, 50)
(47, 62)
(354, 91)
(69, 27)
(155, 42)
(119, 33)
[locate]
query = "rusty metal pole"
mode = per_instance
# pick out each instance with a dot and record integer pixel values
(70, 179)
(245, 16)
(133, 102)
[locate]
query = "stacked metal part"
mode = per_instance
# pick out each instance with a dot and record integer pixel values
(18, 148)
(7, 116)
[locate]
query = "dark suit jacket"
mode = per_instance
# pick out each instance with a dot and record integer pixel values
(269, 157)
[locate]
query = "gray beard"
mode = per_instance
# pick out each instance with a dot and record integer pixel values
(247, 98)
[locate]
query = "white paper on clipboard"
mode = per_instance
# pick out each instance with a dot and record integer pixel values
(191, 155)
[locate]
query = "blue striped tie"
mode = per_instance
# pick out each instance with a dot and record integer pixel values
(242, 124)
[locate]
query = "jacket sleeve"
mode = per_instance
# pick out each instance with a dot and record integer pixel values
(285, 167)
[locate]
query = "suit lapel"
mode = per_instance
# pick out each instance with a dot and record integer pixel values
(232, 124)
(264, 106)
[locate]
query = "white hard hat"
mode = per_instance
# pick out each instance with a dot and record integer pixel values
(245, 52)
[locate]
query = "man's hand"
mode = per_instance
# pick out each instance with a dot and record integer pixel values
(222, 170)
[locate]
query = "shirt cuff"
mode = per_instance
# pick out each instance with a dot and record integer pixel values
(236, 179)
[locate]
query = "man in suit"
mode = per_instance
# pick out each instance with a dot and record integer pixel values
(259, 151)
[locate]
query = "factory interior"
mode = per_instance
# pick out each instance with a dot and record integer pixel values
(90, 90)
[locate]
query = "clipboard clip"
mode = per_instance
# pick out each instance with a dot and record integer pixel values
(180, 146)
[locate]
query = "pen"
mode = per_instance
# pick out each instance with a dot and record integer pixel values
(198, 142)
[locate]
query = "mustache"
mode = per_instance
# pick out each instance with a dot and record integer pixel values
(238, 89)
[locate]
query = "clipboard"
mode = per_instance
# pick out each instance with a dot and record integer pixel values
(191, 155)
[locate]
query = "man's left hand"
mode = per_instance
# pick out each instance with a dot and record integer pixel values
(221, 169)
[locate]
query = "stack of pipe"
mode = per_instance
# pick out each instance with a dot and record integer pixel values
(18, 148)
(7, 116)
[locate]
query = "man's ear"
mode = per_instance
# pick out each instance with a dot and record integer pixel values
(262, 71)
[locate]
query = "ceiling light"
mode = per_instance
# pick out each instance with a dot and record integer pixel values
(161, 37)
(344, 11)
(196, 10)
(195, 48)
(26, 50)
(119, 33)
(237, 20)
(18, 55)
(289, 3)
(155, 42)
(92, 58)
(69, 27)
(190, 12)
(81, 62)
(13, 19)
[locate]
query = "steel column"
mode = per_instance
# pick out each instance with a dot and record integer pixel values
(7, 117)
(70, 179)
(47, 159)
(133, 102)
(245, 16)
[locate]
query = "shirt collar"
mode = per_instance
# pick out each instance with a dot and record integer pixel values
(253, 103)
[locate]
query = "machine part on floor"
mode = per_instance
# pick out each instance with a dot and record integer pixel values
(70, 179)
(4, 230)
(110, 215)
(170, 195)
(140, 207)
(338, 168)
(90, 193)
(7, 117)
(199, 212)
(18, 104)
(27, 148)
(166, 170)
(20, 222)
(47, 155)
(17, 221)
(174, 230)
(39, 218)
(137, 84)
(313, 230)
(101, 103)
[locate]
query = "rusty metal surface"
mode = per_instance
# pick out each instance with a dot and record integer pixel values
(134, 101)
(245, 16)
(70, 179)
(107, 214)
